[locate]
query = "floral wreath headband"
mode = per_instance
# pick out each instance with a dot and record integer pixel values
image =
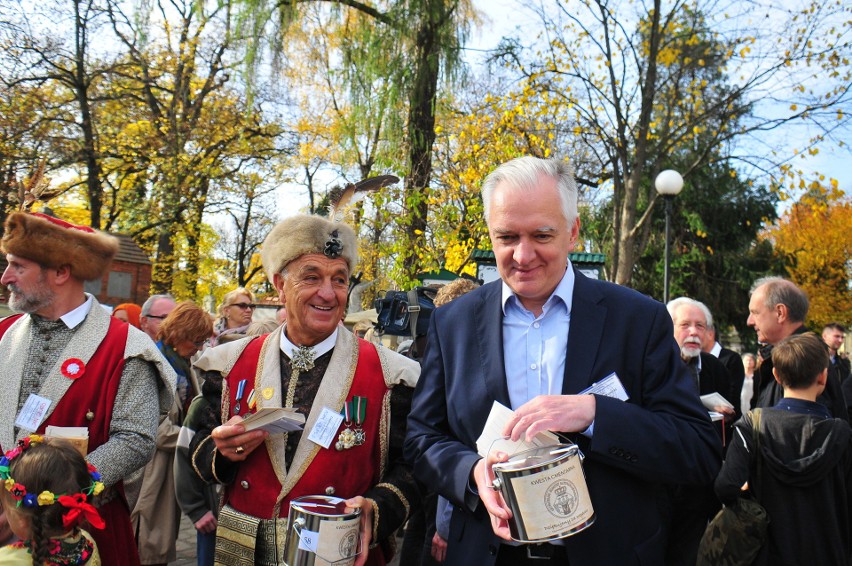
(76, 503)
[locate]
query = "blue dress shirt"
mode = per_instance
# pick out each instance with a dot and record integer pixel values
(534, 348)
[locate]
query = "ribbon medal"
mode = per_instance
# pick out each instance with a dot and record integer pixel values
(354, 413)
(241, 387)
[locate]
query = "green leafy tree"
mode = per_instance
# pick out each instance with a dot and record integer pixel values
(640, 84)
(190, 134)
(408, 46)
(813, 240)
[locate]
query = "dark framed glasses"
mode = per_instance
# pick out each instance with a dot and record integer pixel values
(243, 306)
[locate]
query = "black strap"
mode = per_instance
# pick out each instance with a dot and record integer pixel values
(413, 313)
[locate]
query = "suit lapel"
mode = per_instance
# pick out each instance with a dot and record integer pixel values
(488, 316)
(584, 335)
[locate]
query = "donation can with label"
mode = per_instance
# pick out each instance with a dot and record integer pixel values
(321, 532)
(546, 490)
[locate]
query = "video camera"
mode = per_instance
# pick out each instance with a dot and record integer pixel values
(405, 313)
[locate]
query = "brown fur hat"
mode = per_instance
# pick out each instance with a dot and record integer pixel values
(52, 242)
(307, 234)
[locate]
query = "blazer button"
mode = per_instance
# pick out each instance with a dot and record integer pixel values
(244, 484)
(329, 490)
(492, 550)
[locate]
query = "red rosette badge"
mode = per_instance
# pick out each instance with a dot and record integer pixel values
(73, 368)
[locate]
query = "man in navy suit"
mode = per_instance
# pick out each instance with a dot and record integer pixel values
(507, 342)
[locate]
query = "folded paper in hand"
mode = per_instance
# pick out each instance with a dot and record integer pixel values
(275, 419)
(492, 438)
(713, 400)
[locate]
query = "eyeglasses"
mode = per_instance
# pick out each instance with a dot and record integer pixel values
(243, 306)
(160, 316)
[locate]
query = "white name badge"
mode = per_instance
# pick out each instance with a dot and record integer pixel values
(32, 413)
(326, 427)
(308, 540)
(610, 386)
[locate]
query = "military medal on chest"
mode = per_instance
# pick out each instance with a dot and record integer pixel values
(241, 388)
(354, 413)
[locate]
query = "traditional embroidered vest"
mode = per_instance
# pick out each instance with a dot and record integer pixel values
(94, 392)
(349, 472)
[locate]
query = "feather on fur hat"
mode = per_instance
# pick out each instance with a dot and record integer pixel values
(52, 242)
(307, 234)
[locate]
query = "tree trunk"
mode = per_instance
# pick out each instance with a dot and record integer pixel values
(421, 129)
(162, 271)
(94, 188)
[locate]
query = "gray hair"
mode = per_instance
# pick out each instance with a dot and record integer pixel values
(149, 303)
(780, 291)
(675, 304)
(522, 174)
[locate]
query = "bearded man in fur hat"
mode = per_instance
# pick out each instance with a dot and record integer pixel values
(355, 396)
(68, 363)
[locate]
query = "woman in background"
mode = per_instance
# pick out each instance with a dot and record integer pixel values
(235, 315)
(749, 363)
(128, 312)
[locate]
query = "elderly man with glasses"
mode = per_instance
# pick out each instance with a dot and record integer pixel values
(154, 311)
(351, 392)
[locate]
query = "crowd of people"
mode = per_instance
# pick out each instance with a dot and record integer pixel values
(151, 401)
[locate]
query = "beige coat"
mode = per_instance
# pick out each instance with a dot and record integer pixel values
(156, 515)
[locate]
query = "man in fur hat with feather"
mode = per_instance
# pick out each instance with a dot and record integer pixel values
(68, 363)
(355, 397)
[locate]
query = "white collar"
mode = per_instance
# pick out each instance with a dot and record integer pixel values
(564, 291)
(325, 346)
(75, 317)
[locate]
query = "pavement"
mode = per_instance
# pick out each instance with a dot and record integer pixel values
(185, 544)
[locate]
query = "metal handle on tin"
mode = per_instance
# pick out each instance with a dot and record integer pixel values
(496, 484)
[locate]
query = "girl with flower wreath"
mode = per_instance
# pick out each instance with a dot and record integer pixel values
(46, 491)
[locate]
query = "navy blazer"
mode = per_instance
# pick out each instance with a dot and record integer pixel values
(661, 435)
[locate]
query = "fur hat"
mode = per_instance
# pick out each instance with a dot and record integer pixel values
(52, 242)
(307, 234)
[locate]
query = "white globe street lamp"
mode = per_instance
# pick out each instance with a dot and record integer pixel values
(668, 183)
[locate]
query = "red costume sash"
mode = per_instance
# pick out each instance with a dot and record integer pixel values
(94, 393)
(350, 472)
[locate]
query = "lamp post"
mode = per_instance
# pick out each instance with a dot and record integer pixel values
(668, 183)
